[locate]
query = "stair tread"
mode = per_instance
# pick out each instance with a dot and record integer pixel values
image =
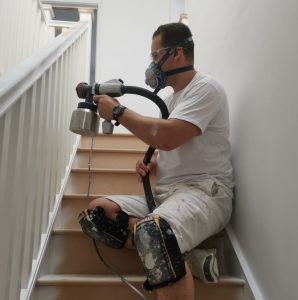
(71, 279)
(78, 196)
(83, 196)
(128, 135)
(64, 279)
(112, 150)
(115, 140)
(102, 170)
(114, 134)
(58, 231)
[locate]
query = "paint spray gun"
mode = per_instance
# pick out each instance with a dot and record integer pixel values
(85, 119)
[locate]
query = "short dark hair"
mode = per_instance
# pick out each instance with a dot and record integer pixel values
(173, 33)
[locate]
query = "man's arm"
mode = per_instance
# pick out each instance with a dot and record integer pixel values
(158, 133)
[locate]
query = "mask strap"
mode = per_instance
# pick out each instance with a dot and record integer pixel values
(175, 71)
(179, 70)
(166, 56)
(172, 50)
(156, 90)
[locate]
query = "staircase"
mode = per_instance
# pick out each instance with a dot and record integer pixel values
(71, 268)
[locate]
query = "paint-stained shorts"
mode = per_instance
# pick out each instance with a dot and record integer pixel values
(194, 210)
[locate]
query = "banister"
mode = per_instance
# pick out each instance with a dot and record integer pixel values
(15, 82)
(36, 152)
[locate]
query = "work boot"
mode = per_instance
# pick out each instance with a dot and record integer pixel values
(203, 264)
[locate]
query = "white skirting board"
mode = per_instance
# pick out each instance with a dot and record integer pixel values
(244, 265)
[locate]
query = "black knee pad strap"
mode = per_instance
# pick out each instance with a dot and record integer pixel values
(96, 225)
(159, 252)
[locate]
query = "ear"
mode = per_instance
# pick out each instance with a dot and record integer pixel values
(178, 53)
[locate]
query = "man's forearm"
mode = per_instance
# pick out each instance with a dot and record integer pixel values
(152, 131)
(158, 133)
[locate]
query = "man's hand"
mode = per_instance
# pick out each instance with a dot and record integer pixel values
(142, 169)
(105, 106)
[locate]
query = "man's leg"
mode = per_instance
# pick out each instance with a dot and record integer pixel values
(112, 209)
(182, 289)
(160, 255)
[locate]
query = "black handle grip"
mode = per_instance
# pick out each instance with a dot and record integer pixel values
(83, 90)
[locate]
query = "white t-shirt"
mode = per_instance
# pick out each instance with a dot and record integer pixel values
(203, 103)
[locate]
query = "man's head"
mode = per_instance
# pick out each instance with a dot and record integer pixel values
(172, 53)
(171, 34)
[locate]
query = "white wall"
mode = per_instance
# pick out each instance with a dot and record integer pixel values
(124, 35)
(252, 47)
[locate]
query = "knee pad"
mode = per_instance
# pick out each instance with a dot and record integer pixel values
(96, 225)
(159, 252)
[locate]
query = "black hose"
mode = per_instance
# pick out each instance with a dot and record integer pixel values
(84, 91)
(165, 114)
(147, 94)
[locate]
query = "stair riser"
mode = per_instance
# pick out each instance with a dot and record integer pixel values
(105, 184)
(70, 208)
(113, 142)
(121, 292)
(102, 292)
(110, 160)
(77, 255)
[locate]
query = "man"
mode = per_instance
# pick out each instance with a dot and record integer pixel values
(194, 174)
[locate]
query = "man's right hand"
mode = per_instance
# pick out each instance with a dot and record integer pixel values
(142, 169)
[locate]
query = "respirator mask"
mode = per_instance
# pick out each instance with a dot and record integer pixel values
(155, 77)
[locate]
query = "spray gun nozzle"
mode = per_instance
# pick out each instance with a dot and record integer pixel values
(84, 91)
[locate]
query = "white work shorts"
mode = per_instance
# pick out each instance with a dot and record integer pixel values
(194, 210)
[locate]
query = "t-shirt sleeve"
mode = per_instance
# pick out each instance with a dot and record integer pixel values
(199, 106)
